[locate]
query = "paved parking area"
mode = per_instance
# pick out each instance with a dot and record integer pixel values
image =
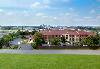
(88, 52)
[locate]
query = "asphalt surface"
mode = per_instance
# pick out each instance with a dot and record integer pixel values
(25, 47)
(87, 52)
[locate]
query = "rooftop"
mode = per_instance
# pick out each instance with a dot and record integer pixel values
(70, 32)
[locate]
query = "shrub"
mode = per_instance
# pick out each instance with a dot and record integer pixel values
(94, 47)
(14, 47)
(55, 41)
(34, 45)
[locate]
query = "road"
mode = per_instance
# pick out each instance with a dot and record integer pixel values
(88, 52)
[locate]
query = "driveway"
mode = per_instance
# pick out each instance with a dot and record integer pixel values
(25, 47)
(16, 41)
(88, 52)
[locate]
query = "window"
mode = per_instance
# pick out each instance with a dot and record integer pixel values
(72, 39)
(72, 35)
(66, 36)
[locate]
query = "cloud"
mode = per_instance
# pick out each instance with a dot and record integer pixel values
(9, 13)
(87, 20)
(35, 5)
(87, 17)
(55, 18)
(38, 5)
(71, 14)
(39, 14)
(41, 18)
(92, 11)
(67, 14)
(1, 10)
(59, 12)
(25, 13)
(71, 9)
(46, 1)
(98, 17)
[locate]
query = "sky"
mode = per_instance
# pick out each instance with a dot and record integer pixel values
(50, 12)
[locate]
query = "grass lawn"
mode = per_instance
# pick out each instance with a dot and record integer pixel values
(14, 61)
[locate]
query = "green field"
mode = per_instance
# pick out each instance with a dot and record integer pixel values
(12, 61)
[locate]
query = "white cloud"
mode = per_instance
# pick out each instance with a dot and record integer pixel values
(45, 16)
(55, 18)
(46, 6)
(92, 11)
(87, 20)
(35, 5)
(25, 13)
(46, 1)
(39, 5)
(39, 14)
(71, 14)
(71, 9)
(9, 13)
(1, 10)
(87, 17)
(98, 17)
(67, 14)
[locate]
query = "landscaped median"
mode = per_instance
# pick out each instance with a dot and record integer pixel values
(15, 61)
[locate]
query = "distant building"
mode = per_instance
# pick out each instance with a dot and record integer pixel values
(70, 35)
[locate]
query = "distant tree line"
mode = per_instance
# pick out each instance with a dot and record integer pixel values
(22, 34)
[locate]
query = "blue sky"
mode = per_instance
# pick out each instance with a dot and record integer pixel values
(50, 12)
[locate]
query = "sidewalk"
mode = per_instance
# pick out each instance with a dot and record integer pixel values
(88, 52)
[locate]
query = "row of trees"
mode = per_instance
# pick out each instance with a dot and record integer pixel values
(5, 40)
(26, 32)
(22, 34)
(92, 40)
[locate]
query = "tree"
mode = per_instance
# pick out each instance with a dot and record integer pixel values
(33, 32)
(1, 43)
(38, 39)
(91, 41)
(55, 41)
(5, 40)
(34, 45)
(22, 34)
(78, 43)
(18, 33)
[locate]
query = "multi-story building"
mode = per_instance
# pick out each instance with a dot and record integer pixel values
(70, 35)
